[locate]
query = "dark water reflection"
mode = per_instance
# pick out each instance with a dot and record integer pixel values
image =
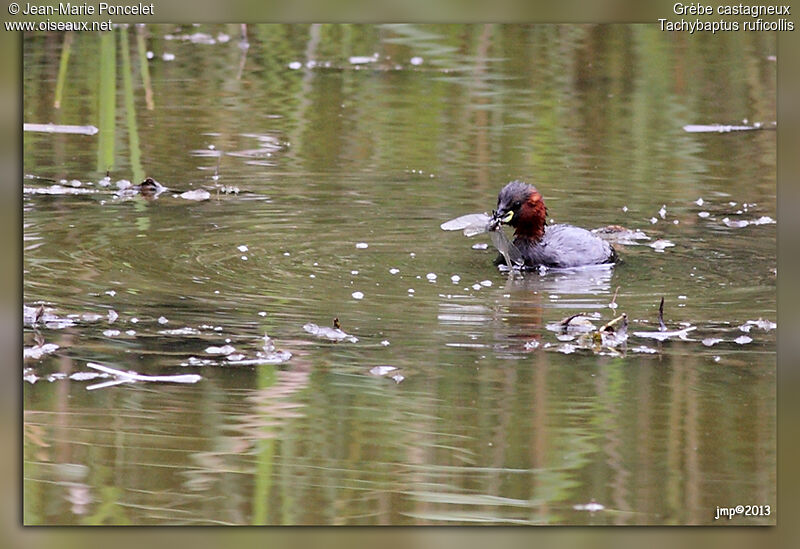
(497, 419)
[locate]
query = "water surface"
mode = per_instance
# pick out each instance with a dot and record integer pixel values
(332, 154)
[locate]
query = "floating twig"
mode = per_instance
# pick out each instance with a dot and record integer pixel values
(39, 178)
(60, 128)
(725, 128)
(39, 315)
(216, 168)
(610, 326)
(663, 336)
(663, 333)
(613, 304)
(565, 322)
(131, 377)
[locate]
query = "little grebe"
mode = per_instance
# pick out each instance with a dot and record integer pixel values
(561, 246)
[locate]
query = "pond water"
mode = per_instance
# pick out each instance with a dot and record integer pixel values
(331, 154)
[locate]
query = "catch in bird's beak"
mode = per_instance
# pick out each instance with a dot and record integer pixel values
(499, 216)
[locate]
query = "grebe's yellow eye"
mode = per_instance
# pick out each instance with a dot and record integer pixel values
(508, 217)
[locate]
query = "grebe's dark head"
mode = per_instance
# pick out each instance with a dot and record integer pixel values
(521, 206)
